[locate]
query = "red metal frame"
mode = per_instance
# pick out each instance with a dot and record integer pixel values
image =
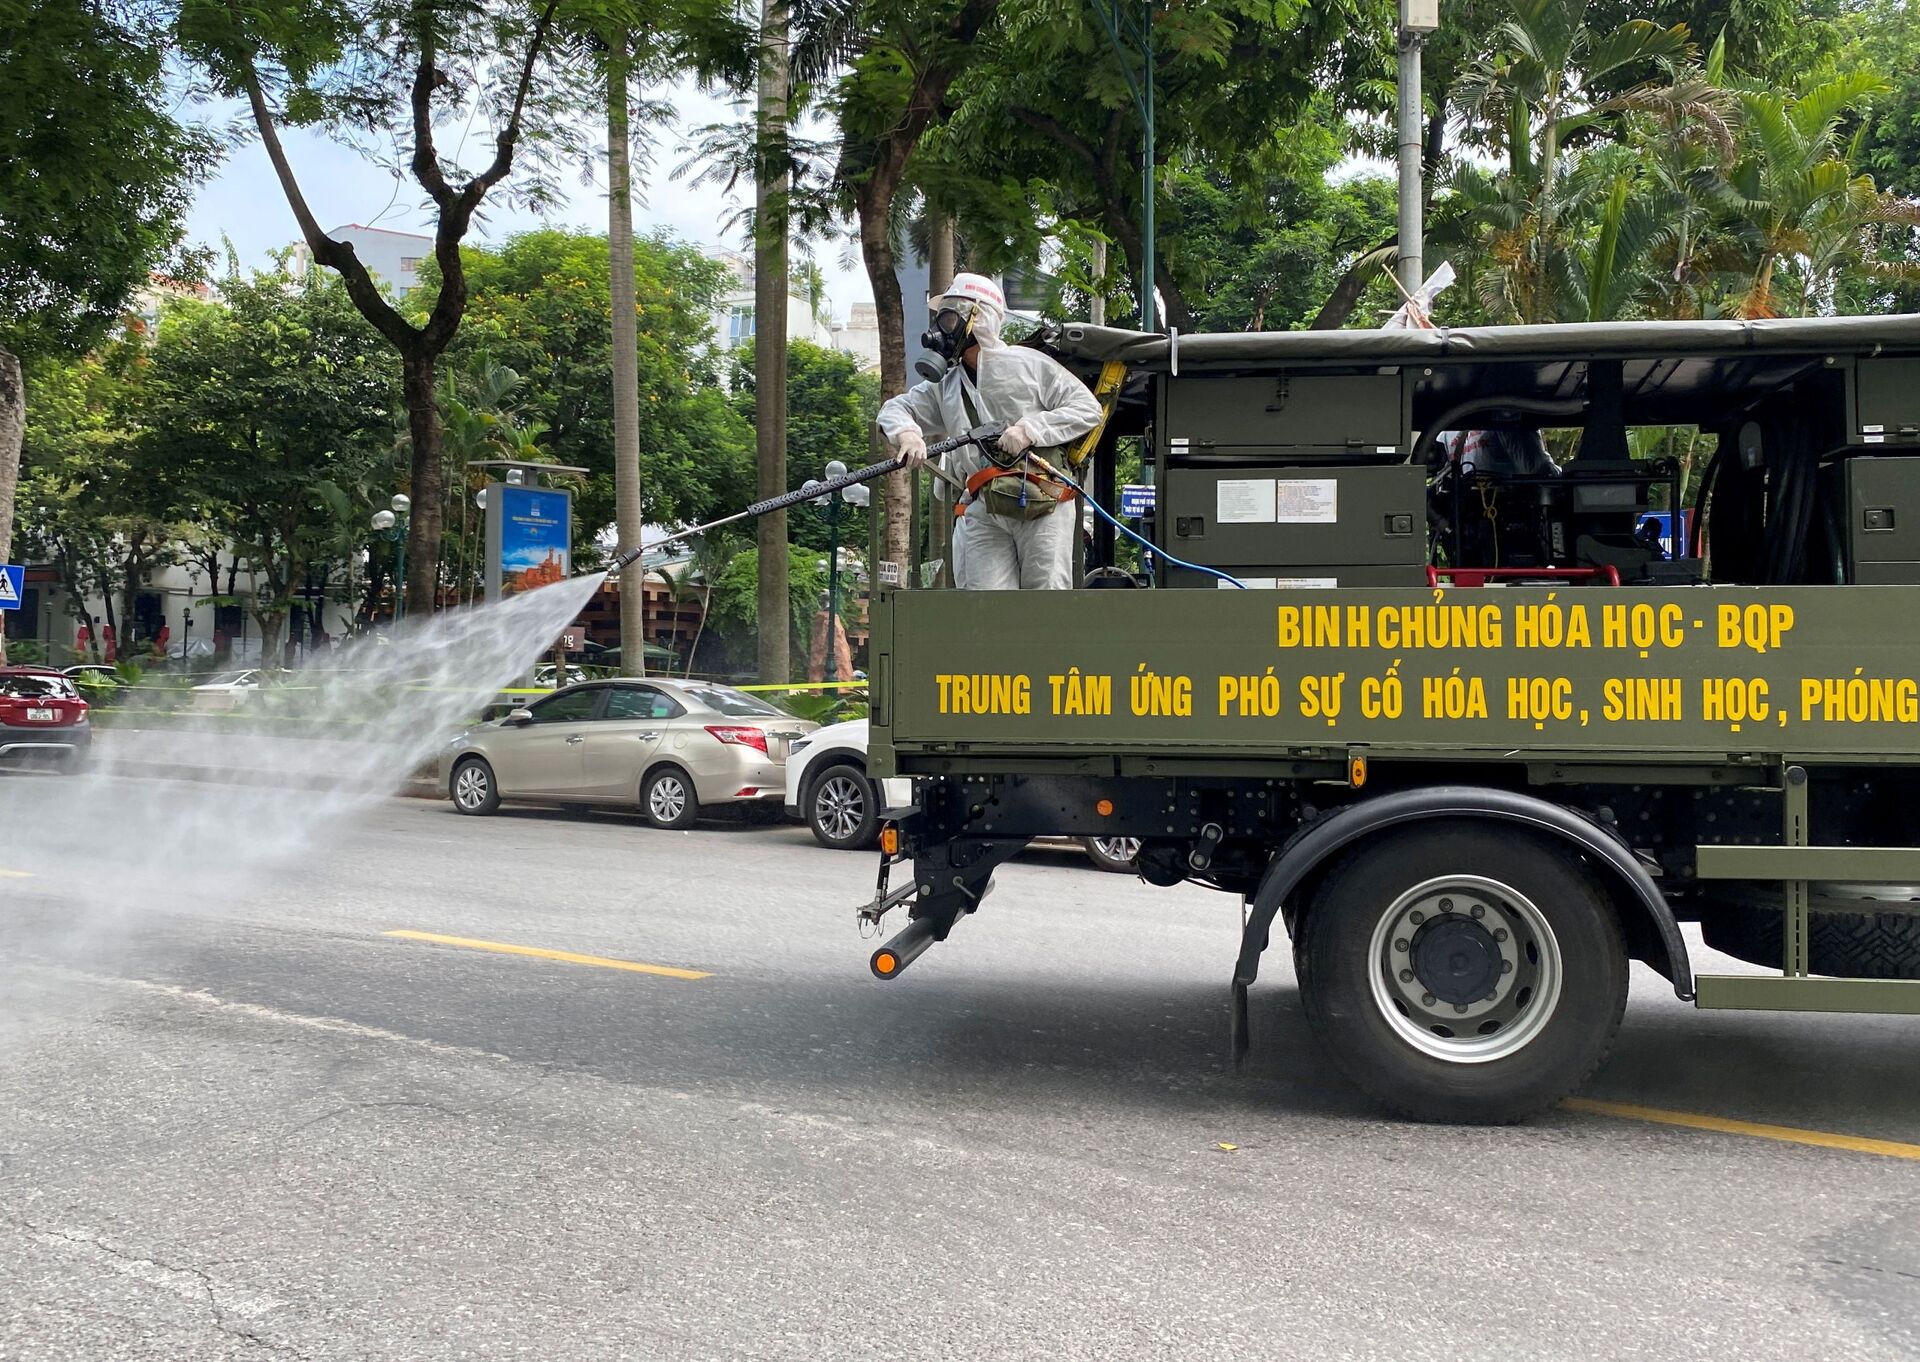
(1480, 576)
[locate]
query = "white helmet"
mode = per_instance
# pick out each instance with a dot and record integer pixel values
(979, 289)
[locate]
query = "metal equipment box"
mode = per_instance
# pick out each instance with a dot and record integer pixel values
(1297, 526)
(1887, 401)
(1312, 417)
(1883, 521)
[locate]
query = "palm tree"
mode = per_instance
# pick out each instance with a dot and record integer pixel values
(1546, 85)
(1797, 203)
(630, 520)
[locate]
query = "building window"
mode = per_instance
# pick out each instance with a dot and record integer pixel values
(409, 264)
(740, 324)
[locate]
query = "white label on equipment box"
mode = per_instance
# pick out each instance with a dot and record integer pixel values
(1306, 501)
(1284, 583)
(1244, 501)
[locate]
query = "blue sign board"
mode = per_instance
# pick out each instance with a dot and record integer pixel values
(1136, 500)
(1664, 520)
(529, 538)
(13, 585)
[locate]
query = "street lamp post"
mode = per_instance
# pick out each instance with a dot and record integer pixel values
(858, 495)
(393, 525)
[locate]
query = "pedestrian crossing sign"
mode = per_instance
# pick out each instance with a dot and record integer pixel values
(12, 580)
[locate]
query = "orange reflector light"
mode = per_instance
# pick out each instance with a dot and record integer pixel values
(886, 962)
(1356, 771)
(890, 840)
(1104, 808)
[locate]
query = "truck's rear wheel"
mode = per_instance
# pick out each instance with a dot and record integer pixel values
(1464, 975)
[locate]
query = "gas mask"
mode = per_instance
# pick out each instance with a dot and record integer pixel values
(951, 331)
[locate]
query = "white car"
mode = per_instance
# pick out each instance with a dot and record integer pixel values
(228, 690)
(828, 789)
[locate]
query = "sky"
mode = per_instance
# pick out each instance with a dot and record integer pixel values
(243, 202)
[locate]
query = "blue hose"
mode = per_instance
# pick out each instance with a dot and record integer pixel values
(1101, 511)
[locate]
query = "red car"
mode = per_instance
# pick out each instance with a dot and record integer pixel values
(43, 720)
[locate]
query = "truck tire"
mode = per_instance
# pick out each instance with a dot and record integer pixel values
(1462, 974)
(1849, 943)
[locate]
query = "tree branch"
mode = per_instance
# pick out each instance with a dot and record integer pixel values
(335, 255)
(427, 78)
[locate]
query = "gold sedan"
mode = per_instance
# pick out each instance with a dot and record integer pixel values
(673, 748)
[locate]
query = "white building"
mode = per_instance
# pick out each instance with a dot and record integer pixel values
(734, 319)
(393, 258)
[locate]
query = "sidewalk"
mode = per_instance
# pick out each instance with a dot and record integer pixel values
(253, 759)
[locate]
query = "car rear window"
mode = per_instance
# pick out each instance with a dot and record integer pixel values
(36, 687)
(735, 705)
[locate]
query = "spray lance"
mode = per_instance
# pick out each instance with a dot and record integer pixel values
(980, 435)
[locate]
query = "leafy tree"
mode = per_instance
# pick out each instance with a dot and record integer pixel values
(1045, 115)
(542, 306)
(94, 180)
(733, 608)
(900, 62)
(1799, 204)
(99, 508)
(390, 73)
(830, 410)
(1541, 86)
(262, 401)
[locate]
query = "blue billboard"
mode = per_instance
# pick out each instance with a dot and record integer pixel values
(529, 538)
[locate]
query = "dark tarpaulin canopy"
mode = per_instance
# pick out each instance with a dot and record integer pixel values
(1678, 372)
(1581, 340)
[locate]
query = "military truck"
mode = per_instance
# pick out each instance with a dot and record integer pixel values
(1449, 667)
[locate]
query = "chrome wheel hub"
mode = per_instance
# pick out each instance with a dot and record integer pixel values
(1465, 968)
(668, 799)
(841, 806)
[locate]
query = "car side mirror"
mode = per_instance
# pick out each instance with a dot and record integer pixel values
(519, 716)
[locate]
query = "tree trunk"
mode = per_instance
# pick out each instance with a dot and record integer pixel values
(774, 612)
(13, 430)
(629, 519)
(940, 270)
(428, 489)
(876, 250)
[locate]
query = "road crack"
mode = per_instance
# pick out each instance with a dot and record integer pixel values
(226, 1317)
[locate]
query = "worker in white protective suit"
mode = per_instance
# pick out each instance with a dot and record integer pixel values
(1015, 529)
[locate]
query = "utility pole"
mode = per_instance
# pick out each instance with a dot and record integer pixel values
(1418, 18)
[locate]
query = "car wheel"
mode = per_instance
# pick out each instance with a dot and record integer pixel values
(1115, 854)
(843, 809)
(668, 800)
(473, 788)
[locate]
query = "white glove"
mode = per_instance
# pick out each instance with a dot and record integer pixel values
(1015, 440)
(911, 446)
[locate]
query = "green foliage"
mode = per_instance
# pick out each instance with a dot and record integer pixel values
(824, 707)
(94, 173)
(733, 608)
(272, 407)
(1046, 120)
(542, 305)
(830, 409)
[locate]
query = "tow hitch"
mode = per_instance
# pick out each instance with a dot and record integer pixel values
(949, 881)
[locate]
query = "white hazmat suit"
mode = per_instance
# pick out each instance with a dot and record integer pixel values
(1024, 389)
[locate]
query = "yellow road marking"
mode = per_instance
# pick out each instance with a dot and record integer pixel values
(15, 874)
(504, 948)
(1890, 1149)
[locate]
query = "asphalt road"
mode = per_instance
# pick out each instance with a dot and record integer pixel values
(237, 1119)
